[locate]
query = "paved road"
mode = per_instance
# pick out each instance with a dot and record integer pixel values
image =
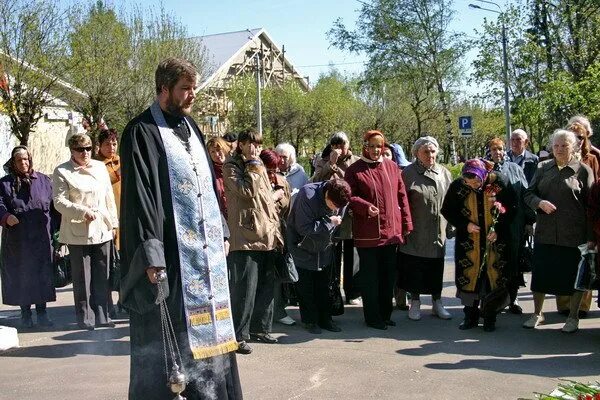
(414, 360)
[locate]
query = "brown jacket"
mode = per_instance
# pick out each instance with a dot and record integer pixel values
(251, 212)
(568, 189)
(325, 171)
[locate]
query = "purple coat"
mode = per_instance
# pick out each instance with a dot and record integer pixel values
(27, 273)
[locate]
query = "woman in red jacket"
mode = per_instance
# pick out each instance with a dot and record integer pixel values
(381, 220)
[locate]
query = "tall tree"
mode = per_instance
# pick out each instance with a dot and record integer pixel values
(33, 49)
(399, 34)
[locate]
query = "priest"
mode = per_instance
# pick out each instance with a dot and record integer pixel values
(170, 221)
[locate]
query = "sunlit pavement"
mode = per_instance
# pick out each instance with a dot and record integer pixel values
(426, 359)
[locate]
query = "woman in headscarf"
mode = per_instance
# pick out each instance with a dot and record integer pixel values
(524, 216)
(468, 206)
(381, 221)
(25, 216)
(422, 255)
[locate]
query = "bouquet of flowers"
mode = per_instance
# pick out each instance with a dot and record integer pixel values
(497, 210)
(572, 390)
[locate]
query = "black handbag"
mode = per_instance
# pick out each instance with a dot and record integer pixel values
(495, 301)
(526, 255)
(586, 272)
(62, 266)
(285, 269)
(114, 270)
(336, 303)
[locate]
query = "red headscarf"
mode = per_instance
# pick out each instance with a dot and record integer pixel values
(366, 137)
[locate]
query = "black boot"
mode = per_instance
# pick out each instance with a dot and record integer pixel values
(42, 316)
(26, 320)
(471, 318)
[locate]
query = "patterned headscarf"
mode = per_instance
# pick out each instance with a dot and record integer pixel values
(475, 167)
(11, 168)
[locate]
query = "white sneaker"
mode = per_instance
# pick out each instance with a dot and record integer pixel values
(415, 310)
(572, 325)
(534, 321)
(355, 302)
(439, 310)
(287, 320)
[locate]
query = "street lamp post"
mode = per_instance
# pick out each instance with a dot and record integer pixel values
(504, 64)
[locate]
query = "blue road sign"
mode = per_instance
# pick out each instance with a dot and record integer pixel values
(465, 125)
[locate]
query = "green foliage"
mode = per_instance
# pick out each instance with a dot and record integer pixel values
(33, 46)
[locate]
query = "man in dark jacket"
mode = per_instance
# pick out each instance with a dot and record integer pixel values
(519, 154)
(316, 213)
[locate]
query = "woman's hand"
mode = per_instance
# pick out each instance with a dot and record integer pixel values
(278, 195)
(373, 211)
(547, 207)
(491, 237)
(12, 220)
(152, 274)
(89, 216)
(335, 220)
(472, 228)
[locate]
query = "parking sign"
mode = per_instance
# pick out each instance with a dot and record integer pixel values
(465, 125)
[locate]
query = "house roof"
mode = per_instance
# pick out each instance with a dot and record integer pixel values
(223, 48)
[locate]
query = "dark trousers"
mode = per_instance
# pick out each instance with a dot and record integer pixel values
(89, 267)
(313, 295)
(251, 283)
(378, 275)
(345, 250)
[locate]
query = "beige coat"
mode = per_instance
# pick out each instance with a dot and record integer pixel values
(324, 171)
(426, 190)
(77, 190)
(252, 214)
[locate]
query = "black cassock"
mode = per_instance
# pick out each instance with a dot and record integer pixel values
(148, 238)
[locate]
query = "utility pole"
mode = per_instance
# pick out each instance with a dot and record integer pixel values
(504, 64)
(258, 94)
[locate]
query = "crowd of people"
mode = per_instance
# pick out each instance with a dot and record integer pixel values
(220, 218)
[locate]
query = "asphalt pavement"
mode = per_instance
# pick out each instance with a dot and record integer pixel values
(426, 359)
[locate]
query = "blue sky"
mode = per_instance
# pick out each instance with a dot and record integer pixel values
(300, 25)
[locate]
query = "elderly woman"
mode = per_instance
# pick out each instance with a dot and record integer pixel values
(83, 194)
(252, 209)
(559, 193)
(219, 149)
(422, 255)
(293, 172)
(381, 221)
(469, 206)
(315, 215)
(524, 216)
(335, 159)
(25, 217)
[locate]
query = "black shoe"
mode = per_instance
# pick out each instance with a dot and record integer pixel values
(108, 324)
(331, 327)
(582, 314)
(378, 325)
(515, 309)
(263, 337)
(113, 314)
(86, 326)
(243, 348)
(468, 324)
(26, 322)
(389, 322)
(489, 326)
(43, 320)
(313, 328)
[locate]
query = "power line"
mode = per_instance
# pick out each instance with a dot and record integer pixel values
(331, 64)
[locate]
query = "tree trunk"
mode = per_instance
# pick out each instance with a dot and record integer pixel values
(447, 120)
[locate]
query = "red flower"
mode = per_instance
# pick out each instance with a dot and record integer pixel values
(499, 207)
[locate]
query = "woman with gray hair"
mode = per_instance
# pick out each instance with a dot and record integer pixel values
(559, 193)
(335, 159)
(83, 194)
(422, 254)
(293, 172)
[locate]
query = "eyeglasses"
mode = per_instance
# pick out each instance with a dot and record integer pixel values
(82, 149)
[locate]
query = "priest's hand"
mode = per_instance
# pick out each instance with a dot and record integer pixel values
(12, 220)
(152, 273)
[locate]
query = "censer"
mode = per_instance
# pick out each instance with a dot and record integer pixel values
(176, 378)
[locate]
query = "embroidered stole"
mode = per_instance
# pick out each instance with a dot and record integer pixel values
(198, 224)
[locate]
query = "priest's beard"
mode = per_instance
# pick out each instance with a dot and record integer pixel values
(177, 107)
